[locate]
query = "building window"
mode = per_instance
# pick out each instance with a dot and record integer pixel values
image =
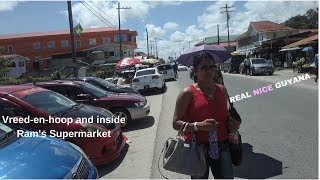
(21, 64)
(51, 44)
(111, 53)
(123, 39)
(92, 41)
(10, 49)
(106, 54)
(274, 35)
(78, 44)
(64, 43)
(106, 40)
(36, 45)
(12, 64)
(133, 39)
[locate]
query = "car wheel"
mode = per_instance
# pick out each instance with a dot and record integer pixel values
(122, 113)
(270, 74)
(163, 89)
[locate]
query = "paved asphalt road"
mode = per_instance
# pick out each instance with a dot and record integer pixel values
(279, 130)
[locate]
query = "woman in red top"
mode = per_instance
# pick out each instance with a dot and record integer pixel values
(204, 106)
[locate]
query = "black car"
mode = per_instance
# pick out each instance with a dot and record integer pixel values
(106, 85)
(233, 63)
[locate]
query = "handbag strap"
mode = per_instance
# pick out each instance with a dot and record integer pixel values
(182, 129)
(160, 159)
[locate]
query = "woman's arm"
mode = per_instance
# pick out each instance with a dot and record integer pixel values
(182, 103)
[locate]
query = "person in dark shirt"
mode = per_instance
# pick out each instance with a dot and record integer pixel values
(175, 69)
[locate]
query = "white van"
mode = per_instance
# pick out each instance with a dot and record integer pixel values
(167, 71)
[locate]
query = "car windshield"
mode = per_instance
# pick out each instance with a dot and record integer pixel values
(104, 82)
(145, 72)
(4, 129)
(164, 67)
(258, 61)
(49, 102)
(93, 89)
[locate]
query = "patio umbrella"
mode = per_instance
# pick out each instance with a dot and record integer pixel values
(127, 62)
(307, 49)
(219, 53)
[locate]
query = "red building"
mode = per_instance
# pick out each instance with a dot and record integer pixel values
(40, 46)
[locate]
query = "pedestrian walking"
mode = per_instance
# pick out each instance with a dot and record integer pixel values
(204, 106)
(175, 69)
(247, 65)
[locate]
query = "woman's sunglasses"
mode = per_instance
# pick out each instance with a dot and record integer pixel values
(206, 67)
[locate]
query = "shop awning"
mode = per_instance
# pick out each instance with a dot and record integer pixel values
(289, 49)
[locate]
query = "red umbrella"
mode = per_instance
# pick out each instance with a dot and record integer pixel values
(127, 62)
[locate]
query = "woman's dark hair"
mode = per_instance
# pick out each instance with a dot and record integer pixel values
(196, 62)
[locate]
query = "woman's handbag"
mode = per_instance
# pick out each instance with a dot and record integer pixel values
(235, 149)
(184, 157)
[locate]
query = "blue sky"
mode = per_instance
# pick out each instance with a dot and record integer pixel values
(175, 24)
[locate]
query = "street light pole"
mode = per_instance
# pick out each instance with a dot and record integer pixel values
(73, 49)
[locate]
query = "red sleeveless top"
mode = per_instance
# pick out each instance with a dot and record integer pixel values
(201, 108)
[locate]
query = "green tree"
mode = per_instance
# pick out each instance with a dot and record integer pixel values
(4, 63)
(307, 21)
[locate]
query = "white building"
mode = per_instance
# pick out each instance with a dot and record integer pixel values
(17, 65)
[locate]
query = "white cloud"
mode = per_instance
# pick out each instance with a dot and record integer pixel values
(170, 26)
(8, 5)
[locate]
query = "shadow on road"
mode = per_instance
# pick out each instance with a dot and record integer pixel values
(257, 165)
(139, 124)
(153, 92)
(108, 168)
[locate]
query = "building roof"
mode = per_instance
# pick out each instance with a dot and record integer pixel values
(214, 39)
(302, 42)
(52, 33)
(264, 26)
(307, 30)
(225, 44)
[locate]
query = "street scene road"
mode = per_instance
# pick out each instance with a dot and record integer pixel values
(279, 130)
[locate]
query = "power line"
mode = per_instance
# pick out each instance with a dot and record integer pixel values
(114, 21)
(101, 18)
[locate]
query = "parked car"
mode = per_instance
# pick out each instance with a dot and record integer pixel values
(258, 66)
(41, 157)
(30, 101)
(148, 78)
(106, 85)
(233, 63)
(167, 71)
(113, 80)
(182, 68)
(129, 106)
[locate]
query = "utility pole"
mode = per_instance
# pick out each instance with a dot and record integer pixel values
(228, 17)
(218, 34)
(147, 42)
(73, 49)
(120, 38)
(151, 48)
(155, 40)
(189, 44)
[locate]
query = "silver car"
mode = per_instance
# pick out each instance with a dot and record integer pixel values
(258, 66)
